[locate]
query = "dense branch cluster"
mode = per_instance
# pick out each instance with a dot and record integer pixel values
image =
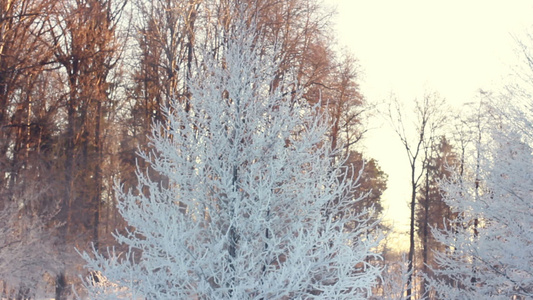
(255, 205)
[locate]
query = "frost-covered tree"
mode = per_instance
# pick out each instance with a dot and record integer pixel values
(393, 279)
(254, 205)
(490, 244)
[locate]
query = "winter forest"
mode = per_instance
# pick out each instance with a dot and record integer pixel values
(211, 149)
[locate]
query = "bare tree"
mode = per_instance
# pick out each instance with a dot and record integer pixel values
(428, 116)
(346, 104)
(84, 40)
(29, 126)
(432, 210)
(22, 60)
(85, 46)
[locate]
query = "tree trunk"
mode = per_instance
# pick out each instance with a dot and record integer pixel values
(97, 175)
(425, 233)
(411, 236)
(60, 286)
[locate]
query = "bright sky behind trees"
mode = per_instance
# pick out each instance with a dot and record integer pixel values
(408, 47)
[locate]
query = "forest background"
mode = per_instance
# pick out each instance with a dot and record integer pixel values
(82, 81)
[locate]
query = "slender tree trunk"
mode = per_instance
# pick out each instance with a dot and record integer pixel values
(4, 144)
(97, 175)
(60, 286)
(425, 233)
(411, 236)
(69, 162)
(5, 26)
(477, 191)
(233, 235)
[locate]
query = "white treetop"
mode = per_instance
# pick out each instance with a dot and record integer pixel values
(490, 254)
(254, 204)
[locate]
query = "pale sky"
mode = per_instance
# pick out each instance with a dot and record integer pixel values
(453, 47)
